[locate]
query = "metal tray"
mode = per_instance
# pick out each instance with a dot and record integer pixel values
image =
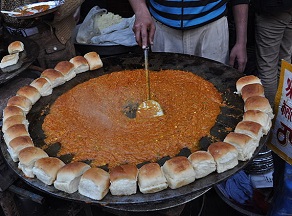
(222, 76)
(53, 6)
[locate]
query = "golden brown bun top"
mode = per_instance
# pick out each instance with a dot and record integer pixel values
(250, 90)
(93, 60)
(238, 138)
(28, 91)
(49, 165)
(64, 67)
(200, 156)
(245, 80)
(97, 175)
(21, 141)
(13, 120)
(257, 103)
(29, 154)
(177, 164)
(20, 101)
(52, 74)
(256, 116)
(254, 127)
(219, 149)
(150, 170)
(11, 111)
(78, 60)
(15, 46)
(72, 170)
(126, 171)
(40, 83)
(16, 130)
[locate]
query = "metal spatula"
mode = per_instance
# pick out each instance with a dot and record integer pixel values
(149, 108)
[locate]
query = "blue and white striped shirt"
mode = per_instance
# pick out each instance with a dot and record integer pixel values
(186, 14)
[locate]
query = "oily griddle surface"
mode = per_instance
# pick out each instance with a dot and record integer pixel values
(222, 76)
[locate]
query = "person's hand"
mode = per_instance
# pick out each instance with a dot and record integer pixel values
(238, 57)
(144, 29)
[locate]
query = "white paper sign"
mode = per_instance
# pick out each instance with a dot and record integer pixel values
(281, 137)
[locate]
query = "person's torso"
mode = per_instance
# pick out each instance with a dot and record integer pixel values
(186, 14)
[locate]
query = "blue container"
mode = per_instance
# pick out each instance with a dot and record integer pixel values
(282, 200)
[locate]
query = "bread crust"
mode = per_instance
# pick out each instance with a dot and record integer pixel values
(178, 172)
(11, 111)
(93, 60)
(244, 144)
(250, 128)
(123, 179)
(20, 101)
(15, 47)
(259, 103)
(54, 77)
(13, 120)
(203, 163)
(224, 154)
(17, 144)
(29, 92)
(15, 131)
(48, 167)
(67, 69)
(259, 117)
(245, 80)
(43, 86)
(94, 183)
(151, 178)
(80, 64)
(254, 89)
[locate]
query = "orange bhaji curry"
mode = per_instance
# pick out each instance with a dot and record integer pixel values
(91, 122)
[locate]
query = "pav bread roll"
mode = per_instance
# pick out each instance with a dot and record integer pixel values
(80, 64)
(203, 163)
(45, 169)
(15, 131)
(43, 86)
(250, 128)
(27, 158)
(93, 60)
(244, 144)
(11, 111)
(68, 177)
(54, 77)
(67, 69)
(9, 60)
(259, 103)
(178, 172)
(29, 92)
(245, 80)
(224, 154)
(94, 183)
(13, 120)
(20, 101)
(123, 180)
(250, 90)
(15, 47)
(259, 117)
(17, 144)
(151, 178)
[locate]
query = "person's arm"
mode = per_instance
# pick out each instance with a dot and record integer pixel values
(238, 52)
(144, 27)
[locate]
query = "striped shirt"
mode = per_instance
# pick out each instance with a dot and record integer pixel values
(187, 14)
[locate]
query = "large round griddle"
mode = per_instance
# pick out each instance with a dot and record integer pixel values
(222, 76)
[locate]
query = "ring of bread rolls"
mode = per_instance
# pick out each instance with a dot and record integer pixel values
(94, 182)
